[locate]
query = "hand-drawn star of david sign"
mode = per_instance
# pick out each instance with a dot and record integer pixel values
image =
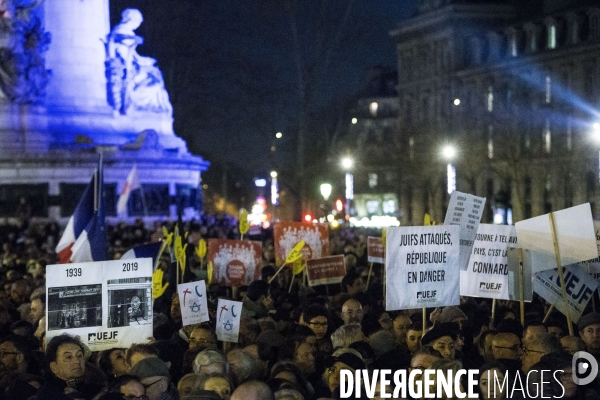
(195, 307)
(228, 325)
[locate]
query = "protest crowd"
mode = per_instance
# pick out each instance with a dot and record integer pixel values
(293, 339)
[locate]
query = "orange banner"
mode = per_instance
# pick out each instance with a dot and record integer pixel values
(288, 234)
(235, 262)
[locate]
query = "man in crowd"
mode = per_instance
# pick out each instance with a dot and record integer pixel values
(352, 312)
(537, 346)
(507, 349)
(154, 375)
(589, 330)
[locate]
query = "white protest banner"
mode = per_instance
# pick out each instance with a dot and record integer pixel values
(422, 266)
(513, 275)
(106, 304)
(579, 286)
(375, 250)
(574, 232)
(325, 270)
(192, 300)
(593, 265)
(487, 273)
(228, 320)
(465, 210)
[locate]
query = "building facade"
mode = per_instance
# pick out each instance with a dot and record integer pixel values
(513, 91)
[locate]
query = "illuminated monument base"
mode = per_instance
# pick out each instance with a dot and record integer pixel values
(87, 91)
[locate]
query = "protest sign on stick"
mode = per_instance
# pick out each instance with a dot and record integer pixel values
(235, 262)
(288, 234)
(422, 267)
(107, 304)
(326, 270)
(579, 288)
(487, 274)
(228, 320)
(465, 210)
(192, 300)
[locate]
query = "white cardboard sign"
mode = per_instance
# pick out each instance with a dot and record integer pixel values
(192, 300)
(465, 210)
(579, 286)
(228, 320)
(488, 271)
(422, 267)
(575, 235)
(106, 304)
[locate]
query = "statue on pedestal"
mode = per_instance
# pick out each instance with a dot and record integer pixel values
(23, 76)
(134, 82)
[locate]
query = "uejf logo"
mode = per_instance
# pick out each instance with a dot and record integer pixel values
(585, 368)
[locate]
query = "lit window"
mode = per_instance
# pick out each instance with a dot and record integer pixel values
(552, 36)
(372, 207)
(411, 148)
(548, 89)
(490, 99)
(389, 207)
(373, 108)
(513, 46)
(372, 180)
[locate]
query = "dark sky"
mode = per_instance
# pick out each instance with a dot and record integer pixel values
(230, 67)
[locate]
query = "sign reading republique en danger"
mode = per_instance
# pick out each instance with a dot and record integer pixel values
(422, 266)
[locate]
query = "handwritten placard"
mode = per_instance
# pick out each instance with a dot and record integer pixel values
(192, 300)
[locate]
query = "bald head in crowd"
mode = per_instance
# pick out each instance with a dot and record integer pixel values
(253, 390)
(352, 312)
(506, 346)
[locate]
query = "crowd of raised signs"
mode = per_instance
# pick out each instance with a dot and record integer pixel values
(292, 343)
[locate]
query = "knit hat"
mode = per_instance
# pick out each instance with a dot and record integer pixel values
(350, 357)
(449, 313)
(588, 319)
(150, 366)
(440, 330)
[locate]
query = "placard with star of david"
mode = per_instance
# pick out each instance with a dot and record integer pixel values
(192, 300)
(228, 320)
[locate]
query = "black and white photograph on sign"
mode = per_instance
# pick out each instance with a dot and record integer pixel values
(129, 302)
(71, 307)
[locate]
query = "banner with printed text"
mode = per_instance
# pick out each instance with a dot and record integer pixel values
(192, 300)
(229, 313)
(580, 288)
(288, 234)
(106, 304)
(375, 250)
(465, 210)
(487, 274)
(235, 262)
(326, 270)
(593, 266)
(422, 266)
(574, 232)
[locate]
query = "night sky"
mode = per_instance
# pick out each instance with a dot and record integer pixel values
(230, 69)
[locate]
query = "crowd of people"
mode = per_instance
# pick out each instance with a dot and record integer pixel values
(294, 341)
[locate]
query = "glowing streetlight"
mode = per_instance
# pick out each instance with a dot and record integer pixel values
(354, 121)
(278, 135)
(325, 190)
(347, 163)
(449, 152)
(457, 102)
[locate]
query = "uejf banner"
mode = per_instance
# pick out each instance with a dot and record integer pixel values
(287, 234)
(422, 267)
(488, 272)
(107, 304)
(580, 288)
(192, 300)
(235, 262)
(326, 270)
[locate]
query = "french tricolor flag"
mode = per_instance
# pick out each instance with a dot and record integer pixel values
(84, 238)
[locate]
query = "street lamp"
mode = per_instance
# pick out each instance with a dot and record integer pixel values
(325, 190)
(449, 152)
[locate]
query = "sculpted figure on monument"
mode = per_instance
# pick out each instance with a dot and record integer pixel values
(23, 76)
(134, 82)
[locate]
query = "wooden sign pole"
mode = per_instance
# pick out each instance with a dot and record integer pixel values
(560, 273)
(521, 288)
